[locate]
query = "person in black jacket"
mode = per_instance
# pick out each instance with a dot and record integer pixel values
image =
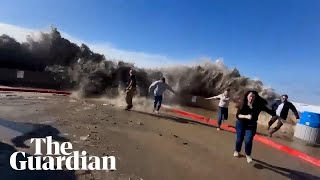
(248, 111)
(281, 108)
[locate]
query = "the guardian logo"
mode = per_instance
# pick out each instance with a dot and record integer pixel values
(62, 156)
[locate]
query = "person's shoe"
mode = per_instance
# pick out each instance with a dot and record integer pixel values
(249, 159)
(218, 129)
(157, 112)
(270, 134)
(129, 107)
(236, 154)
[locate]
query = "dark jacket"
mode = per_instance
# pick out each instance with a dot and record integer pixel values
(132, 81)
(244, 109)
(285, 109)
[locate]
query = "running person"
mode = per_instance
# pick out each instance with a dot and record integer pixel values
(246, 125)
(281, 109)
(159, 87)
(223, 106)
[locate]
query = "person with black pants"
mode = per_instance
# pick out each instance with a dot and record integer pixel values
(281, 109)
(248, 111)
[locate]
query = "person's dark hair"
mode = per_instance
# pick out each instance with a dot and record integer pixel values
(259, 101)
(163, 79)
(285, 95)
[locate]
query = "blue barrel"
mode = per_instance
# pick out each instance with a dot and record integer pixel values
(308, 128)
(310, 119)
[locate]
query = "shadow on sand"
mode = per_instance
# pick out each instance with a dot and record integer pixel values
(39, 131)
(28, 131)
(288, 173)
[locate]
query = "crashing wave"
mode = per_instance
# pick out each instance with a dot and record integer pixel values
(93, 74)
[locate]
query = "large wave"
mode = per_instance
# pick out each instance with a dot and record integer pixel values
(92, 74)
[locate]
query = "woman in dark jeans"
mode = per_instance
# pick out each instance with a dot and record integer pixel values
(247, 116)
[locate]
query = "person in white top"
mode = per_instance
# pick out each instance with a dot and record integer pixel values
(223, 106)
(158, 88)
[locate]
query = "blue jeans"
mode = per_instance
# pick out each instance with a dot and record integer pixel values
(222, 115)
(157, 101)
(245, 132)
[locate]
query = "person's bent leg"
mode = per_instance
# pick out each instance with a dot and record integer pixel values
(275, 129)
(128, 99)
(240, 132)
(271, 121)
(155, 102)
(226, 113)
(220, 116)
(160, 102)
(133, 92)
(250, 132)
(130, 94)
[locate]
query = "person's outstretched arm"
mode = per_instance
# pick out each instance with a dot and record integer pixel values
(294, 110)
(170, 89)
(214, 97)
(267, 110)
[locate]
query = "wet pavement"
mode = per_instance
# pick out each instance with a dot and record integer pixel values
(147, 145)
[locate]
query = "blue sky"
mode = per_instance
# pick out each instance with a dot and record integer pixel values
(277, 41)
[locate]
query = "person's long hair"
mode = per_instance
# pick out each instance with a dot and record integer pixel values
(258, 102)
